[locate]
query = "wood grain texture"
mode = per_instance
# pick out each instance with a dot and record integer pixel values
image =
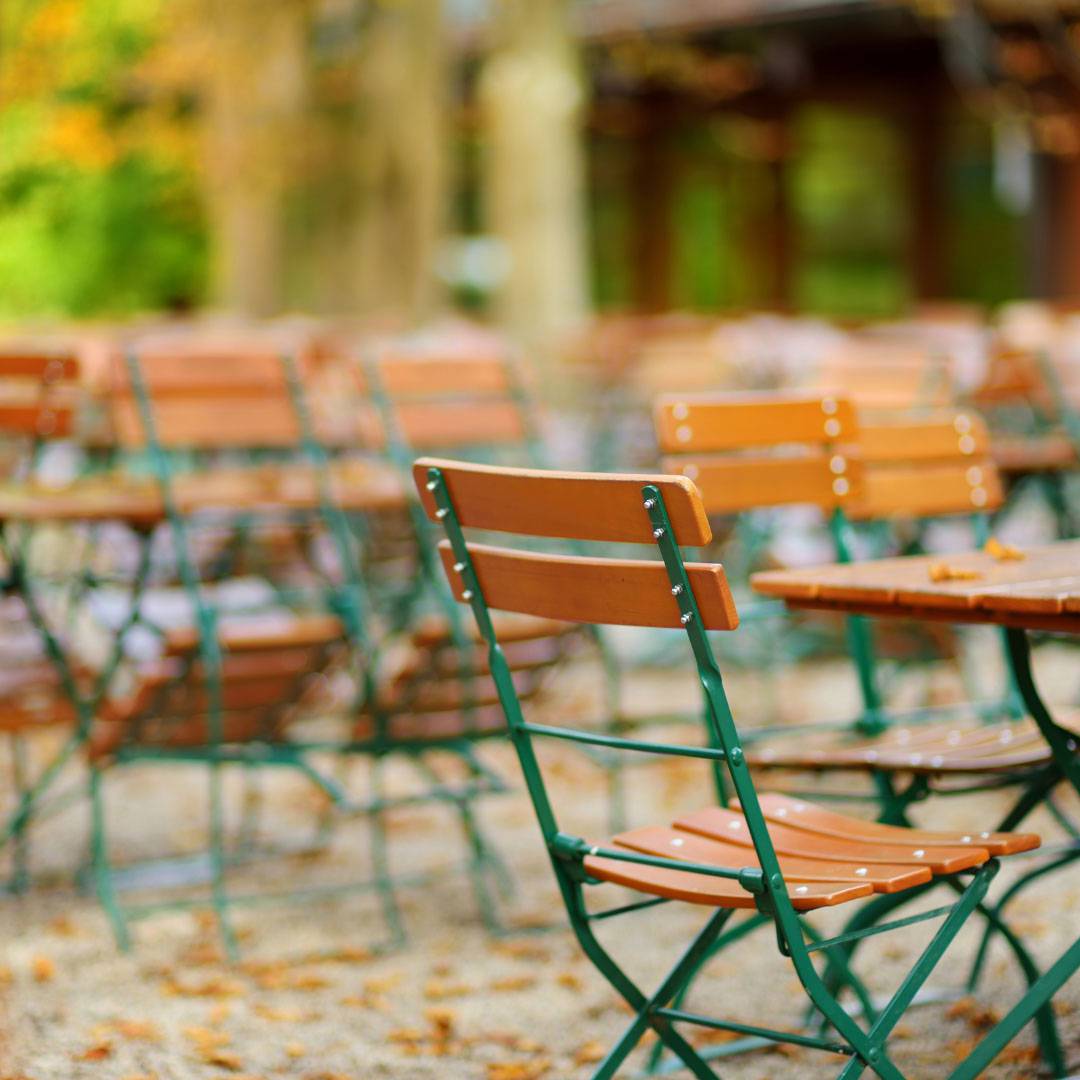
(733, 483)
(1039, 591)
(431, 376)
(724, 422)
(623, 592)
(574, 506)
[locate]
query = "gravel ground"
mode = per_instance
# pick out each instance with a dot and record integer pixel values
(311, 1000)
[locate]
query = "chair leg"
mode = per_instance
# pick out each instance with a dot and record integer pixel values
(645, 1007)
(20, 839)
(482, 855)
(1016, 887)
(219, 897)
(384, 883)
(971, 897)
(99, 860)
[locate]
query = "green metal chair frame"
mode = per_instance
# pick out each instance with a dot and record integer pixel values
(533, 504)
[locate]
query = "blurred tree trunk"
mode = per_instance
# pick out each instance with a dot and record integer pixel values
(256, 96)
(401, 160)
(532, 100)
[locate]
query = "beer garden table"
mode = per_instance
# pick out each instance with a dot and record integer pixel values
(1034, 590)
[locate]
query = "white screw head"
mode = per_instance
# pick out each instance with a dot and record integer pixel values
(680, 411)
(467, 594)
(677, 842)
(431, 485)
(657, 533)
(828, 406)
(838, 464)
(861, 871)
(685, 618)
(802, 890)
(832, 427)
(441, 512)
(676, 590)
(684, 433)
(840, 486)
(967, 444)
(978, 496)
(918, 853)
(458, 567)
(650, 503)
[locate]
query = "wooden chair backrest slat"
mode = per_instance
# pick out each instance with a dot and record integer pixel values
(446, 424)
(39, 392)
(576, 506)
(925, 490)
(434, 376)
(729, 484)
(623, 592)
(955, 437)
(206, 398)
(746, 421)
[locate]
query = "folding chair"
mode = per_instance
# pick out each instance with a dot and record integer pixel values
(232, 684)
(761, 854)
(753, 451)
(881, 375)
(474, 402)
(1031, 404)
(39, 396)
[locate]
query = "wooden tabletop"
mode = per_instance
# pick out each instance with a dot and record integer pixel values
(355, 486)
(1038, 591)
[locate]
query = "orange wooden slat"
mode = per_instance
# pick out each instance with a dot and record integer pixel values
(741, 482)
(447, 424)
(576, 506)
(625, 592)
(716, 423)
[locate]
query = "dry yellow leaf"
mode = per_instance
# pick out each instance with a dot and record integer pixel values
(43, 969)
(224, 1059)
(590, 1053)
(434, 990)
(206, 1038)
(569, 980)
(1002, 552)
(295, 1050)
(96, 1051)
(514, 982)
(940, 571)
(142, 1030)
(517, 1070)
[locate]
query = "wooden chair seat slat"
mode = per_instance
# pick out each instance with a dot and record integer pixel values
(679, 844)
(908, 849)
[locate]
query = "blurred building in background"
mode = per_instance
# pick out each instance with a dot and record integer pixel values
(389, 158)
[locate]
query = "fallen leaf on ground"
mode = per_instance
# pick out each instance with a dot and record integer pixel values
(590, 1053)
(97, 1051)
(513, 982)
(43, 969)
(224, 1059)
(517, 1070)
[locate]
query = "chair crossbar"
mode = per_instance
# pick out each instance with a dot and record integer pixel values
(645, 747)
(770, 1034)
(625, 909)
(749, 877)
(881, 928)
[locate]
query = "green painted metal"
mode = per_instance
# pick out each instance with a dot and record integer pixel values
(765, 883)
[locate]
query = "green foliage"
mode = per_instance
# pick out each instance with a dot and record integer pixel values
(98, 206)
